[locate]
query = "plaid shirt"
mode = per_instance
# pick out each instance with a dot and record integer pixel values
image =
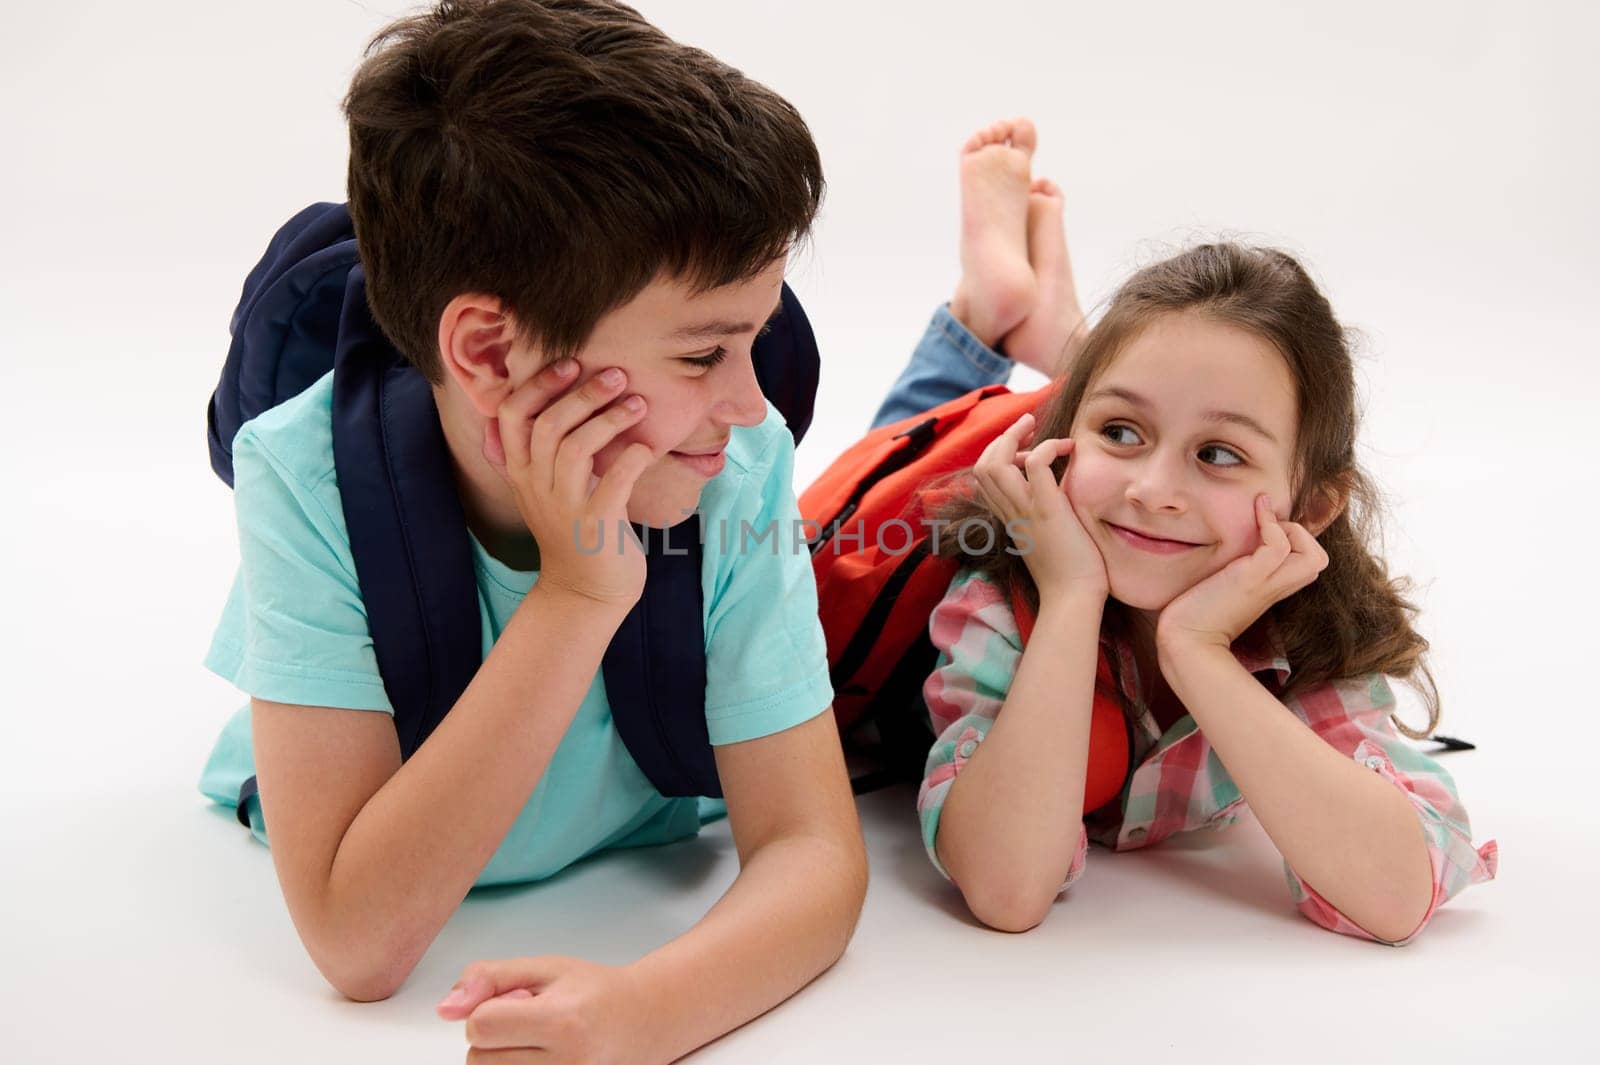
(1178, 783)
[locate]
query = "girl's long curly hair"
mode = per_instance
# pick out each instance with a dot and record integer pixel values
(1354, 618)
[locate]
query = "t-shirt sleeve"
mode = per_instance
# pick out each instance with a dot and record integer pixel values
(766, 657)
(295, 628)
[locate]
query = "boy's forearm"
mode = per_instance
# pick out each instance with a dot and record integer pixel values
(1342, 828)
(1011, 823)
(786, 919)
(418, 845)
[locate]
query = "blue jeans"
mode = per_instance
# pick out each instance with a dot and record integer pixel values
(948, 362)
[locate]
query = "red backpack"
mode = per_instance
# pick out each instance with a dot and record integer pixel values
(878, 582)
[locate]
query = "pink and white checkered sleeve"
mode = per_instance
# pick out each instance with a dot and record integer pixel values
(979, 649)
(1353, 716)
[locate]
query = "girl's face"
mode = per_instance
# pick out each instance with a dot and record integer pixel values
(1173, 441)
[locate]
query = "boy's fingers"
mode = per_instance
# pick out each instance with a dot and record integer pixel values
(504, 1023)
(494, 449)
(516, 414)
(483, 980)
(551, 426)
(611, 494)
(574, 460)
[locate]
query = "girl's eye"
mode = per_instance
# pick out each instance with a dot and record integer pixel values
(705, 362)
(1110, 431)
(1238, 460)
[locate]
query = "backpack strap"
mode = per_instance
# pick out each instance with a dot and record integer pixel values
(408, 532)
(788, 365)
(655, 667)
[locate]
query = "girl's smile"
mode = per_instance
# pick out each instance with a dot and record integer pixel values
(1175, 438)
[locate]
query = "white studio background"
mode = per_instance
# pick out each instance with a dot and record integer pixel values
(1433, 163)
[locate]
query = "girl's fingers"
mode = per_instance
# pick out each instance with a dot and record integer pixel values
(1045, 490)
(1303, 543)
(1003, 448)
(1272, 535)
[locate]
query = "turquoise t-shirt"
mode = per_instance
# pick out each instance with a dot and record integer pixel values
(295, 631)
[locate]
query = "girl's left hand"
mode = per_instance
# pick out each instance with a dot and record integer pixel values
(1220, 608)
(552, 1008)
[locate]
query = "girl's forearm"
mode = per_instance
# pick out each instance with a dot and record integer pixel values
(1013, 818)
(1342, 828)
(786, 918)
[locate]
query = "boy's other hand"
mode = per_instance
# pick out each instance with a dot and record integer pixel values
(544, 441)
(572, 1010)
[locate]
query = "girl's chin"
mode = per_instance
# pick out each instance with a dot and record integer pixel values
(1136, 597)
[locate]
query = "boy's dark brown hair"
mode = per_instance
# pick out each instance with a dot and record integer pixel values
(1354, 619)
(559, 155)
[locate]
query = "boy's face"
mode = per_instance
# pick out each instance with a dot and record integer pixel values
(688, 356)
(1175, 439)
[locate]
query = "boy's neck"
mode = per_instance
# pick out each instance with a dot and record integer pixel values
(487, 500)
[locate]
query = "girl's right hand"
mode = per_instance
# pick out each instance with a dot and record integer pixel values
(1021, 489)
(543, 442)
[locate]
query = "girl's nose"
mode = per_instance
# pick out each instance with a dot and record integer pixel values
(1158, 484)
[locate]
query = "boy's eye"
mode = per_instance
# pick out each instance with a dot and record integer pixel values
(1237, 459)
(1110, 431)
(705, 362)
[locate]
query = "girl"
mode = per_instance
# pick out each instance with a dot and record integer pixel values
(1186, 502)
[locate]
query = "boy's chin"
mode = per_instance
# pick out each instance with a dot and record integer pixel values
(661, 510)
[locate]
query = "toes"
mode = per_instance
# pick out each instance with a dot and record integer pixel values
(995, 133)
(1018, 133)
(1045, 187)
(1022, 134)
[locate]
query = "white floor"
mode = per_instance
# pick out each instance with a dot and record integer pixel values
(1432, 162)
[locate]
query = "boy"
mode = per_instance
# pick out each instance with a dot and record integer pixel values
(574, 228)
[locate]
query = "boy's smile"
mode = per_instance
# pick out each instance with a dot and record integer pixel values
(689, 356)
(1174, 440)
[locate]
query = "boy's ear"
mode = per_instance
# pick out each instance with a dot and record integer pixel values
(477, 342)
(1325, 505)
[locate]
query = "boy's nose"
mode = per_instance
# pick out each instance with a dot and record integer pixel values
(743, 403)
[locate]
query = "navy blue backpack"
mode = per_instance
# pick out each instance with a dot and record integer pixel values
(304, 312)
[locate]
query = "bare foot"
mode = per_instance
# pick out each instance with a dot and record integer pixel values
(1050, 334)
(996, 290)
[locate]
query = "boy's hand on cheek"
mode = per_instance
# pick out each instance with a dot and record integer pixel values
(1220, 608)
(543, 442)
(572, 1010)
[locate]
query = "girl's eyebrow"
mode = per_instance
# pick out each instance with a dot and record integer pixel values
(1223, 416)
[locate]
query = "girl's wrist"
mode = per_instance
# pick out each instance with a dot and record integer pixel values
(1075, 598)
(1181, 659)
